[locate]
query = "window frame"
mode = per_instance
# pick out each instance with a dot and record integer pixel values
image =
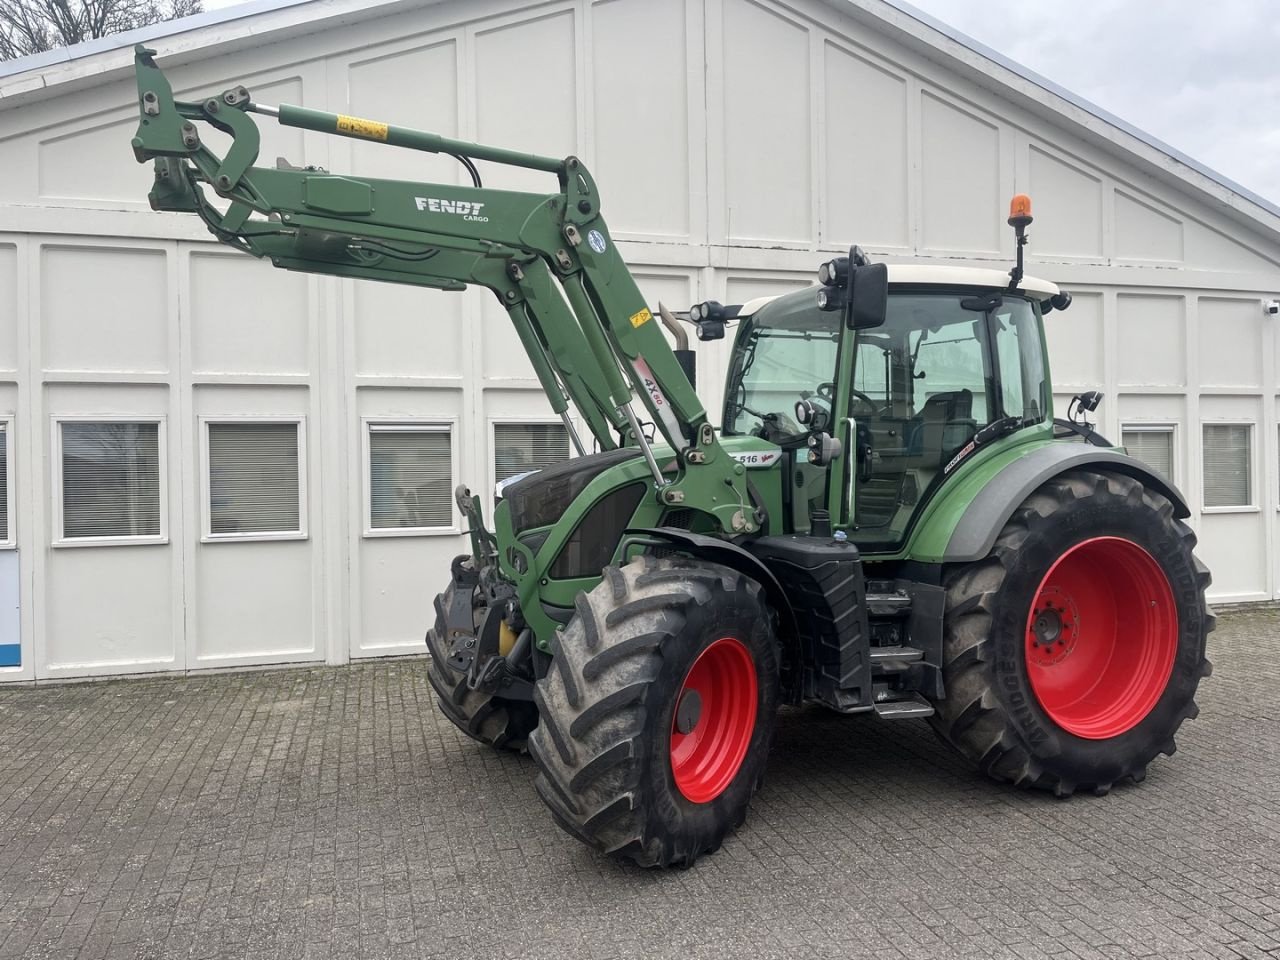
(206, 506)
(58, 537)
(11, 515)
(538, 421)
(1162, 426)
(1252, 506)
(371, 425)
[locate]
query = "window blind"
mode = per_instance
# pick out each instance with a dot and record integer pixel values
(410, 478)
(1152, 447)
(110, 480)
(1227, 459)
(523, 447)
(4, 483)
(254, 485)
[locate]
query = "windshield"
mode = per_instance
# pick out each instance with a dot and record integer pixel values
(784, 353)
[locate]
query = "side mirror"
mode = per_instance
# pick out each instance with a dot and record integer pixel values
(869, 296)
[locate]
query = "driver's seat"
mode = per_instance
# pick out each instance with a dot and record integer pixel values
(944, 424)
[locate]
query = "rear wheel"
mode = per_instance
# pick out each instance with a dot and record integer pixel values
(489, 719)
(657, 712)
(1072, 653)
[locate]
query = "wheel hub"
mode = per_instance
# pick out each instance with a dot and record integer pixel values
(1053, 627)
(688, 712)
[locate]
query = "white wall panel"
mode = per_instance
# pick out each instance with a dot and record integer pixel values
(417, 88)
(409, 331)
(640, 90)
(395, 578)
(109, 609)
(104, 309)
(1209, 249)
(8, 306)
(960, 166)
(768, 141)
(246, 316)
(256, 603)
(1230, 342)
(1067, 201)
(866, 154)
(526, 93)
(1075, 340)
(1144, 232)
(253, 601)
(741, 287)
(1233, 548)
(1233, 540)
(1152, 340)
(112, 173)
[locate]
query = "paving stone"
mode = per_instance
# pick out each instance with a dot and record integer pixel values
(334, 813)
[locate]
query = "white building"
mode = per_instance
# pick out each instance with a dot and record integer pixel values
(147, 374)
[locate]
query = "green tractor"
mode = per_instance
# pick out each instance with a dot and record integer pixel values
(889, 520)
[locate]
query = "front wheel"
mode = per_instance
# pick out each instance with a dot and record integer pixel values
(1072, 653)
(657, 711)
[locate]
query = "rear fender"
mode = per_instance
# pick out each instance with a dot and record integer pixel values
(979, 523)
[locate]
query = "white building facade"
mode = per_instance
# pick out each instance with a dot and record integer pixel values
(209, 463)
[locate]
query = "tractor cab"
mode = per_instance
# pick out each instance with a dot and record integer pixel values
(958, 361)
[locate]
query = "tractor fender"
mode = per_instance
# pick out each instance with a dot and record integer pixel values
(726, 553)
(983, 519)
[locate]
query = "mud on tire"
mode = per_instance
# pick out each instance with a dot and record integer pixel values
(991, 712)
(608, 702)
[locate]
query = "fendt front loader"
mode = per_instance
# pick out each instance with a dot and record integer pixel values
(888, 520)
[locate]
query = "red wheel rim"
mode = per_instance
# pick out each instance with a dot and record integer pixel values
(1101, 638)
(714, 718)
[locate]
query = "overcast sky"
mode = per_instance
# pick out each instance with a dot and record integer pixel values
(1203, 77)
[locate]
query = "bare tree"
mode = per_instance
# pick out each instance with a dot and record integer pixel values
(33, 26)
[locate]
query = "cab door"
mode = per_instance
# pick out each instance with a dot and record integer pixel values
(922, 385)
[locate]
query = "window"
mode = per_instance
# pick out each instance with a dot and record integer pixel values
(1018, 350)
(524, 447)
(110, 478)
(255, 481)
(410, 478)
(6, 521)
(1152, 445)
(1228, 460)
(786, 351)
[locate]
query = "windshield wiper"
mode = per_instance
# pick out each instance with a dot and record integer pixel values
(1000, 428)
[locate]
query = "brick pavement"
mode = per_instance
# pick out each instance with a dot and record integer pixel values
(333, 813)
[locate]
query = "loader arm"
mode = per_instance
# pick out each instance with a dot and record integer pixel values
(548, 258)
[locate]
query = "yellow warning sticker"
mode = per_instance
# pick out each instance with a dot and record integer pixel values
(370, 129)
(641, 318)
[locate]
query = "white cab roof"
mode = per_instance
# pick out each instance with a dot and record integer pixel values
(922, 275)
(916, 274)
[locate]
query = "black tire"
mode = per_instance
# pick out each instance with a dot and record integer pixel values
(608, 703)
(496, 721)
(991, 713)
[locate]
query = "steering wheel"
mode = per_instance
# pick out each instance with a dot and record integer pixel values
(872, 408)
(827, 392)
